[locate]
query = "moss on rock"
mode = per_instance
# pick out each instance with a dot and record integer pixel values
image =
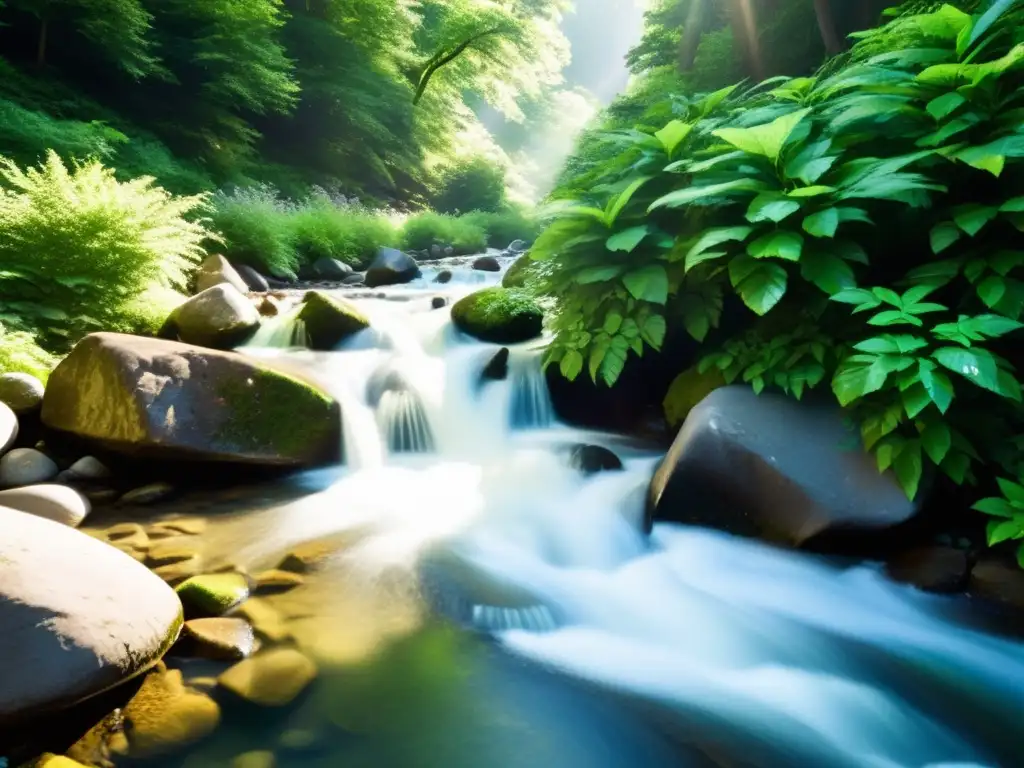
(499, 315)
(329, 320)
(212, 594)
(521, 272)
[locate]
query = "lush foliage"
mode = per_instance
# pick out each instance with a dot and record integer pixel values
(78, 246)
(854, 229)
(19, 353)
(255, 227)
(505, 226)
(426, 229)
(476, 184)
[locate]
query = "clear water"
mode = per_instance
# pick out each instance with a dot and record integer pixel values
(492, 607)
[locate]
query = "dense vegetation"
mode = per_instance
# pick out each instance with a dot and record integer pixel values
(854, 229)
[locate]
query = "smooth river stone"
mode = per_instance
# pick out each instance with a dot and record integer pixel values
(26, 466)
(272, 678)
(54, 502)
(78, 616)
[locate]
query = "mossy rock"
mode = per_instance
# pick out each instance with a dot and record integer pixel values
(329, 320)
(499, 316)
(163, 400)
(521, 272)
(212, 594)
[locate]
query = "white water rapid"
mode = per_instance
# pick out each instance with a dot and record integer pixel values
(760, 657)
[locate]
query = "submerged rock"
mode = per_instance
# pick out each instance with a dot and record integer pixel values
(272, 678)
(276, 581)
(933, 569)
(773, 467)
(497, 367)
(591, 459)
(220, 639)
(26, 466)
(1000, 581)
(355, 278)
(329, 320)
(78, 616)
(149, 398)
(438, 302)
(219, 317)
(331, 269)
(487, 264)
(212, 594)
(216, 270)
(499, 316)
(517, 246)
(444, 276)
(253, 280)
(58, 503)
(21, 392)
(391, 267)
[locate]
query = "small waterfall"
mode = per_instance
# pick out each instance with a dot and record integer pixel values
(531, 406)
(286, 331)
(403, 422)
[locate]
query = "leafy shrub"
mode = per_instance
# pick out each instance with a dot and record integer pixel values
(78, 245)
(323, 228)
(145, 314)
(477, 184)
(426, 229)
(505, 226)
(867, 221)
(19, 353)
(255, 226)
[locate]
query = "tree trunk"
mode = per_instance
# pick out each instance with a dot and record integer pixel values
(743, 19)
(827, 27)
(696, 23)
(44, 28)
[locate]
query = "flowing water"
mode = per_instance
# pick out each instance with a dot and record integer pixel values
(492, 606)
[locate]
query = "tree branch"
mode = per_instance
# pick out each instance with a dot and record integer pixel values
(442, 58)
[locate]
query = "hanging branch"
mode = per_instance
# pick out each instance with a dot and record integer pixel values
(443, 57)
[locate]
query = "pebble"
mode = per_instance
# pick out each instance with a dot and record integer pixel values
(87, 468)
(306, 557)
(220, 639)
(179, 572)
(23, 392)
(212, 594)
(272, 678)
(102, 496)
(169, 552)
(274, 582)
(265, 619)
(147, 494)
(26, 466)
(59, 503)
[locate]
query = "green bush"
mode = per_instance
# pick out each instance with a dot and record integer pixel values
(323, 228)
(866, 219)
(502, 227)
(255, 226)
(19, 353)
(426, 229)
(78, 246)
(477, 184)
(145, 314)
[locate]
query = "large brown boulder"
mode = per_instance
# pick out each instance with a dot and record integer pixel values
(216, 270)
(163, 399)
(220, 317)
(770, 466)
(77, 616)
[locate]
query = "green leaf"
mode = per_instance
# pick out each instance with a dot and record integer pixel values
(995, 10)
(945, 105)
(853, 214)
(976, 366)
(828, 272)
(614, 360)
(706, 195)
(597, 274)
(907, 466)
(936, 440)
(648, 283)
(628, 239)
(861, 296)
(1013, 205)
(972, 218)
(823, 223)
(770, 206)
(779, 244)
(653, 331)
(812, 191)
(915, 399)
(1005, 531)
(672, 134)
(991, 290)
(995, 506)
(992, 325)
(612, 322)
(1012, 491)
(943, 235)
(572, 364)
(889, 296)
(709, 239)
(760, 284)
(937, 384)
(765, 140)
(615, 208)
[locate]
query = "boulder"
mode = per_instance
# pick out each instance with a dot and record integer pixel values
(444, 276)
(520, 272)
(487, 264)
(992, 578)
(25, 466)
(773, 467)
(219, 317)
(8, 427)
(933, 569)
(87, 468)
(149, 398)
(212, 594)
(21, 392)
(356, 278)
(78, 616)
(54, 502)
(391, 267)
(253, 280)
(499, 316)
(268, 307)
(591, 459)
(331, 269)
(438, 302)
(496, 368)
(449, 251)
(436, 251)
(217, 271)
(272, 678)
(329, 320)
(219, 639)
(517, 246)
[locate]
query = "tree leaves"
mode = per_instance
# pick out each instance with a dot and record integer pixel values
(765, 140)
(648, 283)
(701, 250)
(628, 239)
(771, 206)
(780, 244)
(824, 223)
(760, 284)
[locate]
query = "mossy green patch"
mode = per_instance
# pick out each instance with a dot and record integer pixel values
(270, 411)
(499, 315)
(521, 273)
(212, 594)
(329, 321)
